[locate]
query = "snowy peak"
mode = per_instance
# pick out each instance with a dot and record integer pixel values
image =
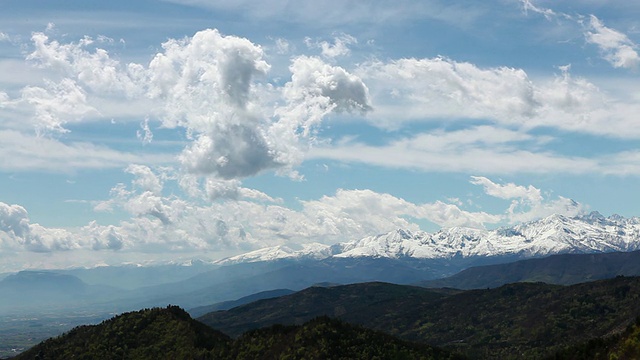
(305, 251)
(396, 244)
(551, 235)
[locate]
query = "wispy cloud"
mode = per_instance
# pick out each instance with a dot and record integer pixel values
(335, 12)
(21, 152)
(483, 149)
(615, 46)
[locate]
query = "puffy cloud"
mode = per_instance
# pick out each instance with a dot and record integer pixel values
(232, 189)
(243, 219)
(221, 189)
(616, 47)
(17, 231)
(145, 179)
(57, 104)
(208, 85)
(234, 152)
(90, 66)
(211, 85)
(312, 78)
(14, 220)
(208, 67)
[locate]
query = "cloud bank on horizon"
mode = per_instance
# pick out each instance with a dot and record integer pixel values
(219, 143)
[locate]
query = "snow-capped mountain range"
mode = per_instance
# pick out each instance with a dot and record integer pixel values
(555, 234)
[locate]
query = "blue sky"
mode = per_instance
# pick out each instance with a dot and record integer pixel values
(160, 130)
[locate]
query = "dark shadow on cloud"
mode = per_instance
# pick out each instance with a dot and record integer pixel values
(233, 152)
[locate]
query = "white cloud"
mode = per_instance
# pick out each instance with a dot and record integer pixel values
(415, 89)
(145, 179)
(208, 85)
(95, 70)
(16, 232)
(144, 134)
(331, 13)
(14, 220)
(21, 152)
(282, 46)
(57, 104)
(4, 99)
(481, 149)
(508, 191)
(527, 6)
(528, 203)
(616, 47)
(340, 46)
(211, 85)
(103, 237)
(440, 89)
(317, 88)
(231, 189)
(241, 219)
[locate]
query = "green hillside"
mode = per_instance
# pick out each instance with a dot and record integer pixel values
(623, 346)
(514, 321)
(171, 334)
(167, 333)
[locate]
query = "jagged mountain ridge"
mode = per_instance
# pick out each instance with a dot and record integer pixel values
(555, 234)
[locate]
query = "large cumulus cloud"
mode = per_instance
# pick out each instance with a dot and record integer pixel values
(214, 87)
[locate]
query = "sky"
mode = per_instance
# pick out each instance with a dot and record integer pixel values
(148, 131)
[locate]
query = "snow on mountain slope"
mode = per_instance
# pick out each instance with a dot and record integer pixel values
(308, 251)
(551, 235)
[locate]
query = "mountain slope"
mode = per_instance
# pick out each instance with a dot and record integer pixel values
(226, 305)
(512, 321)
(353, 303)
(564, 269)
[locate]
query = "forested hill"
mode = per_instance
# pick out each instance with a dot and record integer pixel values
(169, 333)
(158, 333)
(522, 320)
